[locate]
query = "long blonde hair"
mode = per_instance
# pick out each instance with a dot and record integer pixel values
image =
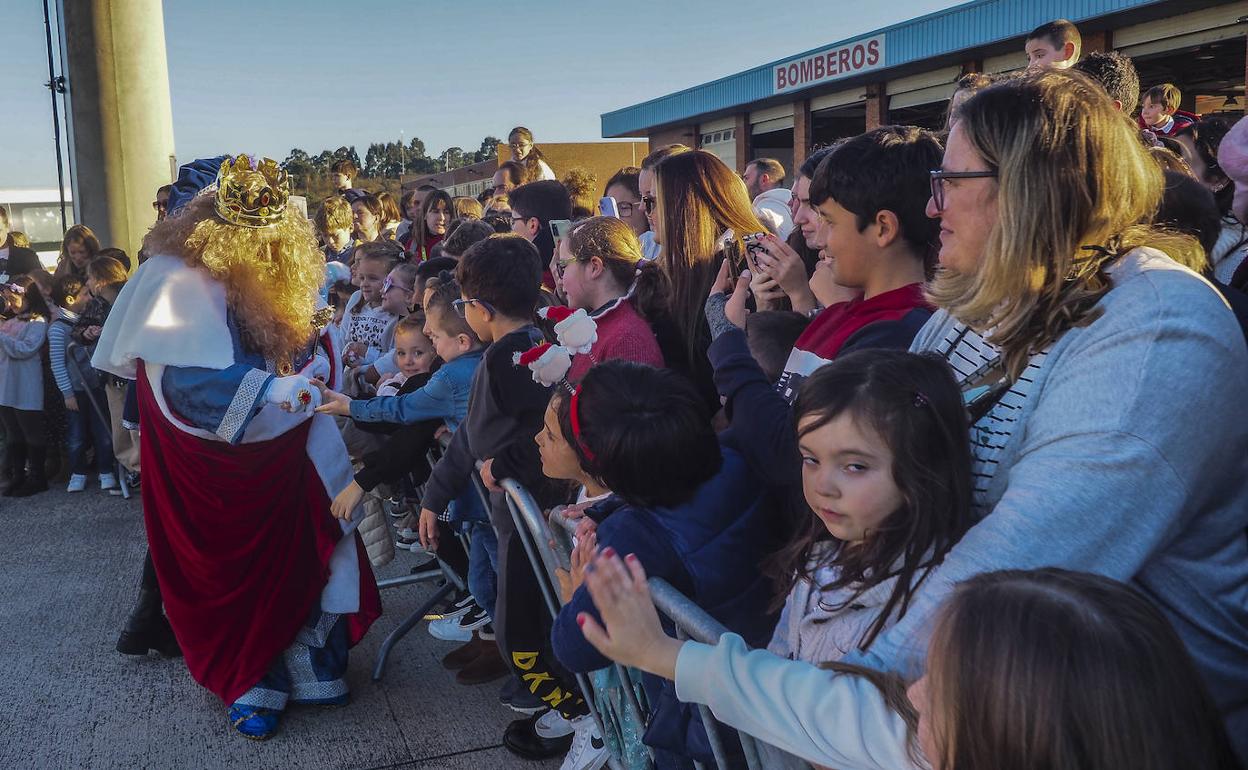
(1075, 190)
(272, 275)
(699, 199)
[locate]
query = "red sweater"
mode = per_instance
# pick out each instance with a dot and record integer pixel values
(622, 333)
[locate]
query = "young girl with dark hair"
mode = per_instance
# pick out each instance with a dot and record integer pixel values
(686, 504)
(886, 472)
(22, 336)
(600, 269)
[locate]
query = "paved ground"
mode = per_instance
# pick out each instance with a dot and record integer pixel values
(68, 700)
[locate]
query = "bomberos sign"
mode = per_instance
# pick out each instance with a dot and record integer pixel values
(830, 64)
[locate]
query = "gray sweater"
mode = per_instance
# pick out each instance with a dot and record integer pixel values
(1128, 457)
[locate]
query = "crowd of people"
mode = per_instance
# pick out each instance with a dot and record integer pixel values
(938, 426)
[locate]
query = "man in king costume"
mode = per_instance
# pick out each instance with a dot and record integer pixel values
(264, 589)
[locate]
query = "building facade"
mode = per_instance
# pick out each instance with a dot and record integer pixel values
(905, 74)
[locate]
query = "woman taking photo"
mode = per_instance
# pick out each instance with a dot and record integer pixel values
(701, 210)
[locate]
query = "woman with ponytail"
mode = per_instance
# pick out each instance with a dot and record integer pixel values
(600, 268)
(524, 152)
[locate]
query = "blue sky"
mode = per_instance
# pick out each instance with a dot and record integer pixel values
(267, 75)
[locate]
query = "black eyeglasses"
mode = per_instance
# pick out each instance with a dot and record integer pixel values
(626, 208)
(461, 306)
(938, 182)
(648, 202)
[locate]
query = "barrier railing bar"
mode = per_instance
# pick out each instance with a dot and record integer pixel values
(562, 534)
(451, 582)
(528, 520)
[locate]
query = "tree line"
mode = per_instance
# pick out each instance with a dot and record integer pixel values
(384, 160)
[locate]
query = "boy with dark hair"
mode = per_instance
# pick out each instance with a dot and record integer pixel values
(871, 193)
(533, 207)
(1116, 74)
(1160, 111)
(1054, 45)
(500, 283)
(469, 232)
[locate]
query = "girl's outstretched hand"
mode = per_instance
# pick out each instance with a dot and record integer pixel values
(630, 632)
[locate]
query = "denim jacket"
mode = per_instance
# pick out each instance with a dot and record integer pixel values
(445, 397)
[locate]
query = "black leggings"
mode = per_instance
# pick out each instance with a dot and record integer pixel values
(24, 427)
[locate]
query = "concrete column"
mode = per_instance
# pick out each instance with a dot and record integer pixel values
(121, 123)
(877, 106)
(801, 134)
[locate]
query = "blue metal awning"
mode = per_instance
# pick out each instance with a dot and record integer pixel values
(943, 33)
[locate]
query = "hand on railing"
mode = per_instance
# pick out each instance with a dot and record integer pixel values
(428, 530)
(487, 475)
(630, 632)
(570, 580)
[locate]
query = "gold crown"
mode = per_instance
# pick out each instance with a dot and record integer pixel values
(252, 196)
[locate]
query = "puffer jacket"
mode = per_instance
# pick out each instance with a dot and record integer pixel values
(376, 531)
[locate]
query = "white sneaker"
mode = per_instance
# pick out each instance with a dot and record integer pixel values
(553, 725)
(589, 750)
(77, 483)
(448, 630)
(108, 481)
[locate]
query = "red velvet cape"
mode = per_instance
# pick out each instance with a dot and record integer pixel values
(241, 537)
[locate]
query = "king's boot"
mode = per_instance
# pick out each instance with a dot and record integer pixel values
(147, 628)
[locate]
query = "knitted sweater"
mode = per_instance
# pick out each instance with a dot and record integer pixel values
(623, 334)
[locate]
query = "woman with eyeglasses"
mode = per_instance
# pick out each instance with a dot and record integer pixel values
(1097, 367)
(526, 153)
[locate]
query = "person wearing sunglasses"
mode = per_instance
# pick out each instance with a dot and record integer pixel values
(645, 195)
(161, 204)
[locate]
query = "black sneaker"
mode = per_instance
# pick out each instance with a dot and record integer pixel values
(522, 739)
(515, 695)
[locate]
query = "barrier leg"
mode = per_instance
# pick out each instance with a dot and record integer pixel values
(407, 625)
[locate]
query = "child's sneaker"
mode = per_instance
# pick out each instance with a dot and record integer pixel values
(589, 750)
(77, 483)
(459, 629)
(552, 724)
(108, 481)
(460, 607)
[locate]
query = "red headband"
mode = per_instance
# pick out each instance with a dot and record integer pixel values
(576, 424)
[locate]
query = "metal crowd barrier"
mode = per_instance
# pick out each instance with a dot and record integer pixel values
(691, 621)
(451, 581)
(545, 559)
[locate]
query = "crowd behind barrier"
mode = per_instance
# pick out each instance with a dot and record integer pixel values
(829, 453)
